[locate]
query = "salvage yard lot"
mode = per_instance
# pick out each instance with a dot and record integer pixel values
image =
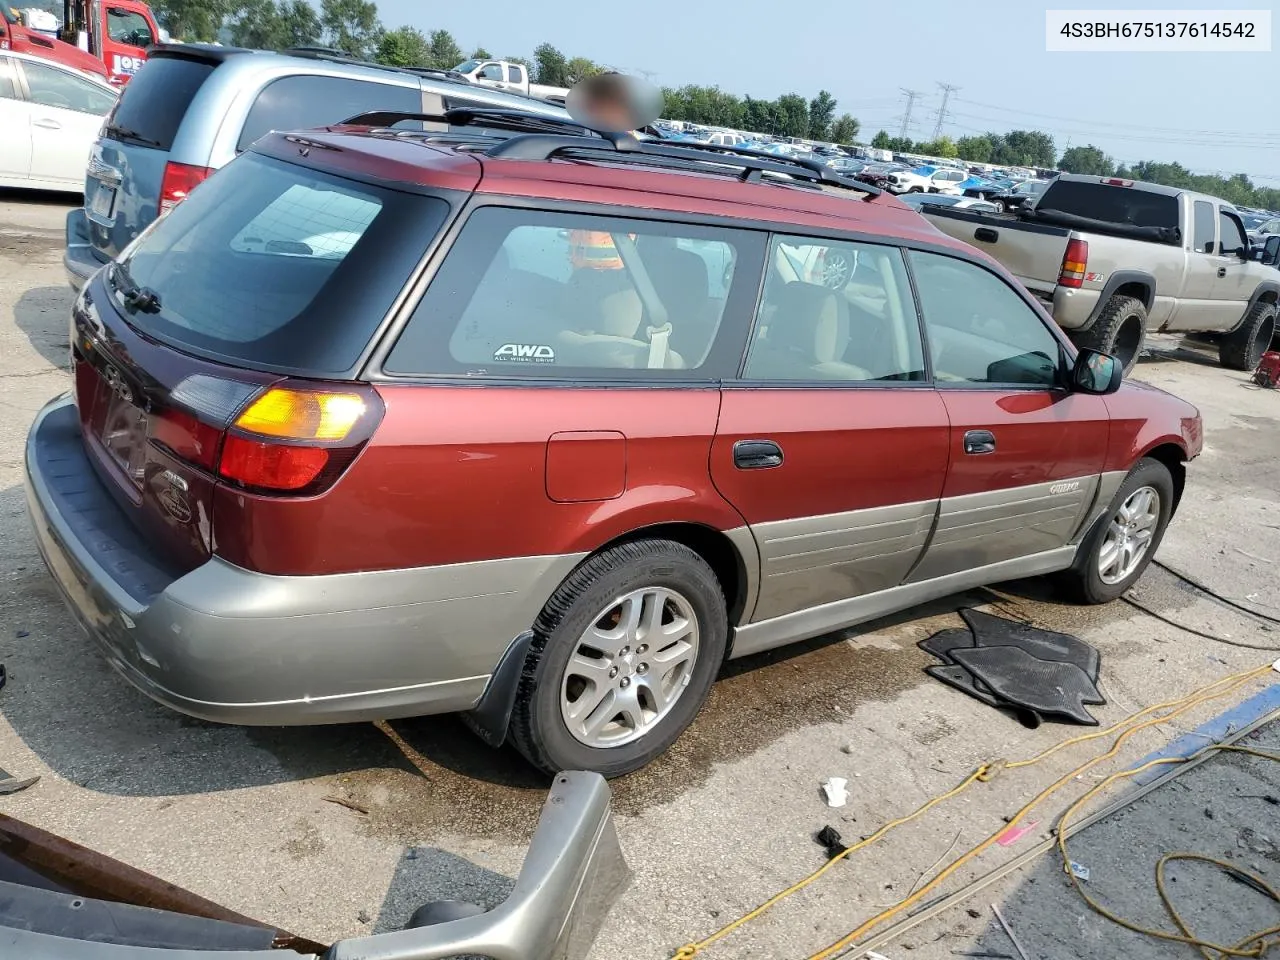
(247, 816)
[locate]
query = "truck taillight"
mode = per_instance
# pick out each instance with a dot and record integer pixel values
(1075, 262)
(179, 180)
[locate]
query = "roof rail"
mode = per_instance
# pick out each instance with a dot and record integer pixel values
(514, 120)
(753, 163)
(337, 56)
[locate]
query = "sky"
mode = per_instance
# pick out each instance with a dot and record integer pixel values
(1213, 112)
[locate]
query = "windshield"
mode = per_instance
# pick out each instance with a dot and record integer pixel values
(1111, 204)
(276, 266)
(467, 67)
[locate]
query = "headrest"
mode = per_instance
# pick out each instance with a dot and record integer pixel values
(808, 320)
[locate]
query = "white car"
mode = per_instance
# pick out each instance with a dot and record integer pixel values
(50, 116)
(945, 180)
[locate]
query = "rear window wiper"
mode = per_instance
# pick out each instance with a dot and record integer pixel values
(125, 133)
(135, 298)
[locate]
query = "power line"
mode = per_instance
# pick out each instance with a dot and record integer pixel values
(1122, 126)
(947, 90)
(912, 96)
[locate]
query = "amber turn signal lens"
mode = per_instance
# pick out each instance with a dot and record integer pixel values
(302, 414)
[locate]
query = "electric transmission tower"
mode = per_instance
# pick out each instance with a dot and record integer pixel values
(912, 96)
(947, 89)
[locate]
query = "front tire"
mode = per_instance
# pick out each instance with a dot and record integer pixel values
(1242, 349)
(1120, 331)
(1116, 552)
(623, 657)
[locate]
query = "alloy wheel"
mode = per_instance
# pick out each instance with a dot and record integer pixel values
(1129, 536)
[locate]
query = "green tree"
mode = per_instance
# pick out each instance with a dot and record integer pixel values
(259, 25)
(760, 116)
(942, 147)
(822, 110)
(193, 20)
(578, 69)
(552, 66)
(881, 140)
(404, 47)
(793, 116)
(351, 26)
(845, 129)
(480, 53)
(1088, 159)
(301, 23)
(974, 149)
(444, 54)
(1029, 148)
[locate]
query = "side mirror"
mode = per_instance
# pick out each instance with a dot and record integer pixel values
(1243, 252)
(1271, 250)
(1096, 373)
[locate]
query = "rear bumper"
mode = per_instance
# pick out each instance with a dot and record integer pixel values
(79, 260)
(235, 646)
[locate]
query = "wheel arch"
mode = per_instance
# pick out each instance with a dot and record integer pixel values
(1267, 292)
(1125, 283)
(1174, 457)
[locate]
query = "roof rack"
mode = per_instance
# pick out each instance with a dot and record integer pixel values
(542, 138)
(337, 56)
(517, 121)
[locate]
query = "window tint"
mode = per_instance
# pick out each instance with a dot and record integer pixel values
(300, 102)
(7, 89)
(513, 74)
(1100, 201)
(155, 101)
(539, 294)
(980, 330)
(1232, 236)
(1205, 235)
(277, 265)
(52, 87)
(835, 312)
(128, 26)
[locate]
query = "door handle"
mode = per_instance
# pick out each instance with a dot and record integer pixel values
(986, 235)
(47, 124)
(756, 454)
(1222, 271)
(977, 442)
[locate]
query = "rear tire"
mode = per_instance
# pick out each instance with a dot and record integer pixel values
(615, 700)
(1242, 349)
(1092, 579)
(1120, 330)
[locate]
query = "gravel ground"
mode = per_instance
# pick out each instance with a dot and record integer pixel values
(721, 823)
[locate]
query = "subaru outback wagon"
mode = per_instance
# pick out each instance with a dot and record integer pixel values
(542, 427)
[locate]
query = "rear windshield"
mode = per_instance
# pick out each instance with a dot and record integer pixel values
(1127, 206)
(277, 266)
(152, 106)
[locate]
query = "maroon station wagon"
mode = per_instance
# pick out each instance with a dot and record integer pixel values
(539, 425)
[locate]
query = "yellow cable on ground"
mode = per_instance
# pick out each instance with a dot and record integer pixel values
(1187, 937)
(984, 773)
(1189, 703)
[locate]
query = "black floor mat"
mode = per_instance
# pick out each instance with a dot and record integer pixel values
(1029, 672)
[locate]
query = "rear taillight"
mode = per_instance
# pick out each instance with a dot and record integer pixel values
(1075, 262)
(179, 180)
(187, 437)
(297, 438)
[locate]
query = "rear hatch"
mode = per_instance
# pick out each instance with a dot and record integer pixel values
(221, 351)
(130, 166)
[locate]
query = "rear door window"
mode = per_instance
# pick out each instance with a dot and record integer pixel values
(278, 266)
(51, 87)
(8, 91)
(153, 104)
(1205, 236)
(302, 102)
(565, 295)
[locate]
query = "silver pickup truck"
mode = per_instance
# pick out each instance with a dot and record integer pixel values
(1112, 259)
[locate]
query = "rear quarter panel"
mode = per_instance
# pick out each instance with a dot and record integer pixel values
(1144, 418)
(1166, 264)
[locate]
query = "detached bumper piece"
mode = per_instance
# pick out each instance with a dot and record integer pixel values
(59, 901)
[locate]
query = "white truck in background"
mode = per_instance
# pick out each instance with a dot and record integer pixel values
(508, 76)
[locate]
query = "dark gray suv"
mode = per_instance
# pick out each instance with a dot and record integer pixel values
(194, 108)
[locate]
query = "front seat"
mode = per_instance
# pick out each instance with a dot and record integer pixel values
(808, 336)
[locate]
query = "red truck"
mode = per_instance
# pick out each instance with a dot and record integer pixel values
(16, 36)
(108, 39)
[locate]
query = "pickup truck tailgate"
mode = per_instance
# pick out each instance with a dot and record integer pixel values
(1032, 252)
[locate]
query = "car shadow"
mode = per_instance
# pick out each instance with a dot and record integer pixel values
(51, 198)
(43, 315)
